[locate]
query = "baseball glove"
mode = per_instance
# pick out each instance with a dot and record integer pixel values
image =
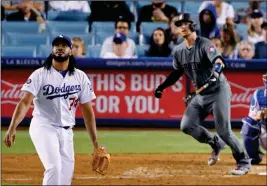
(101, 160)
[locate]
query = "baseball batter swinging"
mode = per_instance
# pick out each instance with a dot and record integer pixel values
(56, 90)
(202, 63)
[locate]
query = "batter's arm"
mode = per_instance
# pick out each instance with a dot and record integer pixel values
(89, 121)
(18, 115)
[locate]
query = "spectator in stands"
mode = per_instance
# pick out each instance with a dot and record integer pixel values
(246, 50)
(27, 12)
(121, 25)
(62, 6)
(255, 31)
(78, 47)
(242, 14)
(261, 47)
(208, 26)
(159, 10)
(225, 11)
(218, 44)
(109, 11)
(172, 35)
(158, 44)
(16, 5)
(230, 40)
(119, 47)
(3, 13)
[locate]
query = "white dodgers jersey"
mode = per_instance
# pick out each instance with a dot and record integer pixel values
(57, 97)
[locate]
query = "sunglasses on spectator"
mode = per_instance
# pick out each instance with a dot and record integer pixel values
(122, 27)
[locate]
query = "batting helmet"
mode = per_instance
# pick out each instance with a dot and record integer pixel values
(185, 17)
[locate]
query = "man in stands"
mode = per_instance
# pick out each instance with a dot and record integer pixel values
(27, 12)
(158, 11)
(119, 47)
(122, 25)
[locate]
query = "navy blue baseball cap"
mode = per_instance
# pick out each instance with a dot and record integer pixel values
(62, 38)
(256, 14)
(119, 38)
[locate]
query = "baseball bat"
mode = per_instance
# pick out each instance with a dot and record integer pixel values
(192, 94)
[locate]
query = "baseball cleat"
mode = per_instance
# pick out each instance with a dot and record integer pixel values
(214, 157)
(240, 171)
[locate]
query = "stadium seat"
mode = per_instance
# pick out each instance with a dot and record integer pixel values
(20, 27)
(148, 27)
(67, 16)
(141, 50)
(93, 51)
(134, 37)
(77, 27)
(100, 26)
(101, 36)
(19, 51)
(88, 37)
(26, 39)
(44, 50)
(192, 8)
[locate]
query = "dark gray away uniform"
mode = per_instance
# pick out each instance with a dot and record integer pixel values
(198, 63)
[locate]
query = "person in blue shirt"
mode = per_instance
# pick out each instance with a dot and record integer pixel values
(261, 47)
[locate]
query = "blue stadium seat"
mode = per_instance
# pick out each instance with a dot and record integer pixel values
(148, 27)
(93, 51)
(141, 50)
(192, 8)
(77, 27)
(101, 36)
(66, 16)
(100, 26)
(19, 51)
(44, 50)
(242, 30)
(26, 39)
(20, 27)
(88, 37)
(134, 37)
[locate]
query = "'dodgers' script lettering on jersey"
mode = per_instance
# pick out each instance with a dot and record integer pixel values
(54, 92)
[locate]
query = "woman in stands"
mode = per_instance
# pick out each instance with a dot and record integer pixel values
(255, 32)
(230, 39)
(158, 44)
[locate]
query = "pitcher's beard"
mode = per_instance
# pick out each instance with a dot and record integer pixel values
(60, 58)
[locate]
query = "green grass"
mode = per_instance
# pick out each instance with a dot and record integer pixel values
(126, 141)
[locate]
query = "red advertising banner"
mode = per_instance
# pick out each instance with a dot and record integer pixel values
(120, 94)
(129, 93)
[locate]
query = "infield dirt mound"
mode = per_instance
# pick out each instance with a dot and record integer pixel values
(137, 169)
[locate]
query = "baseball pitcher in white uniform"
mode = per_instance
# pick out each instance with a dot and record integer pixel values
(56, 90)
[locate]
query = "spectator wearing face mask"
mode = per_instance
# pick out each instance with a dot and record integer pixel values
(158, 11)
(119, 47)
(158, 44)
(261, 47)
(208, 26)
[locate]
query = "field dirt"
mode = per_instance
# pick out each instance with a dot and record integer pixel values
(137, 169)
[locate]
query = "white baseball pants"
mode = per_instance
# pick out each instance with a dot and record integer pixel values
(54, 146)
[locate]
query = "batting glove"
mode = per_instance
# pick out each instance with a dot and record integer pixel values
(158, 92)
